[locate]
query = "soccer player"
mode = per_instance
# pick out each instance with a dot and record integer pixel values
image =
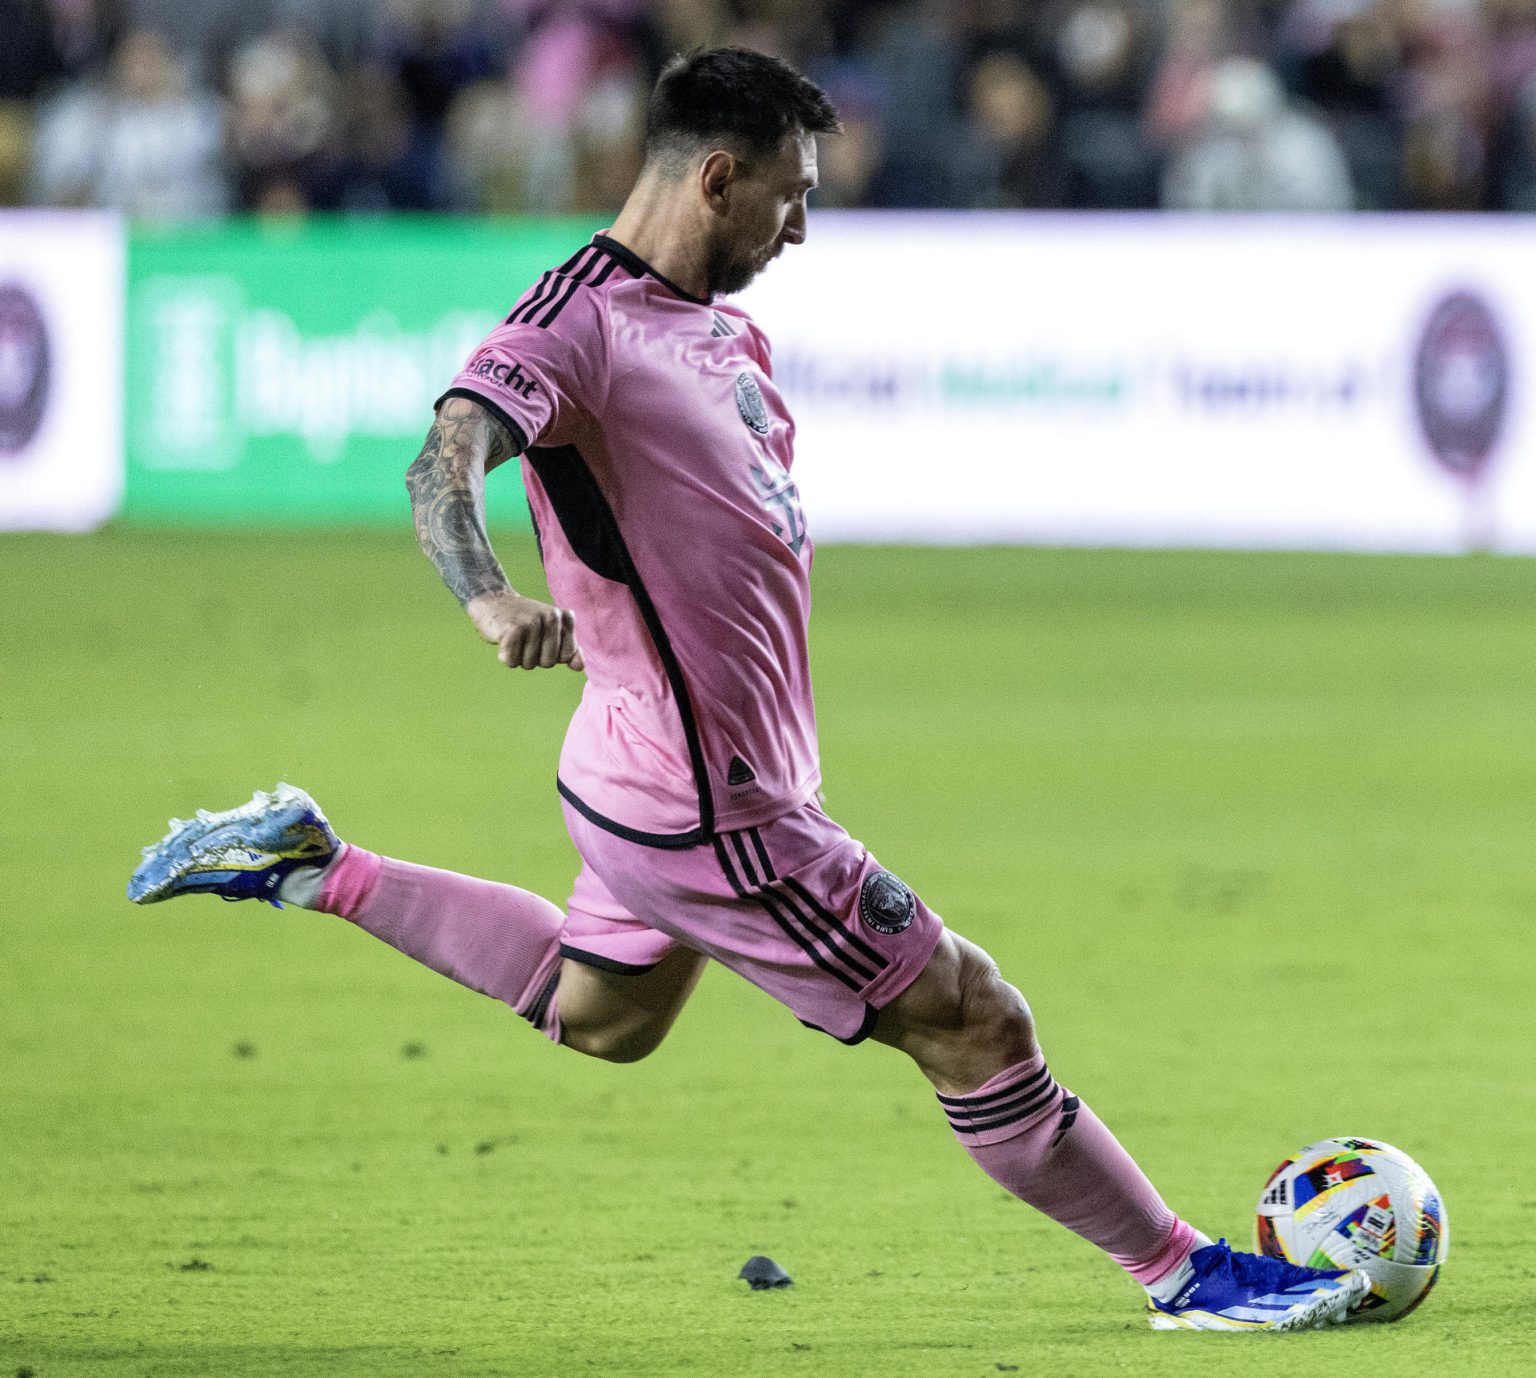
(657, 455)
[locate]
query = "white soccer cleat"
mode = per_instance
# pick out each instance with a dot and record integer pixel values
(243, 853)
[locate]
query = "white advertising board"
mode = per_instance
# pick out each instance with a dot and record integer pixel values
(61, 370)
(1356, 382)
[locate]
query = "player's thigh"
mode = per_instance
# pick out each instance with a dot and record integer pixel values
(622, 1016)
(623, 982)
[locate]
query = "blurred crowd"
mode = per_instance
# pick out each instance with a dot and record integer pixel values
(177, 108)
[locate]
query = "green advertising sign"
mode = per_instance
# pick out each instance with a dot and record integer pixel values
(287, 373)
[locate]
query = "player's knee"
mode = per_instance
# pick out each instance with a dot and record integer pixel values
(960, 1021)
(992, 1014)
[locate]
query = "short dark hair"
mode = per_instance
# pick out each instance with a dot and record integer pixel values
(734, 96)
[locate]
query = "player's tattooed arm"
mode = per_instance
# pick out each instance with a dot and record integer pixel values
(447, 486)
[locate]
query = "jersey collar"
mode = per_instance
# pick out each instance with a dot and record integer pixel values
(640, 268)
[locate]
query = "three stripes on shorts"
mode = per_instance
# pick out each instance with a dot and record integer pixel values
(800, 916)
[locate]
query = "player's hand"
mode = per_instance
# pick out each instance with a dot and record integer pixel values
(527, 634)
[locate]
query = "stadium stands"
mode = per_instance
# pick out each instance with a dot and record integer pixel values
(170, 108)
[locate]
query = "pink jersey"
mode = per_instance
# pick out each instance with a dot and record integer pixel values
(656, 454)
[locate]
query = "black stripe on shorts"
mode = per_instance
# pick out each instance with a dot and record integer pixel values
(819, 945)
(859, 952)
(820, 916)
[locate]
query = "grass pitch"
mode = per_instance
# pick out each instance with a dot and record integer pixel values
(1253, 833)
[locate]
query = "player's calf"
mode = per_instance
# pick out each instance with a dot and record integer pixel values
(973, 1036)
(496, 939)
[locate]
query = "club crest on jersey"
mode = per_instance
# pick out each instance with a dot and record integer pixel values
(886, 904)
(749, 402)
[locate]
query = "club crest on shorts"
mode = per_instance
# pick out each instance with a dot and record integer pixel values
(749, 402)
(886, 904)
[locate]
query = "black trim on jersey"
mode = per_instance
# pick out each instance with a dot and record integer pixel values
(669, 841)
(518, 434)
(640, 268)
(590, 526)
(551, 283)
(538, 536)
(532, 294)
(582, 513)
(591, 959)
(554, 284)
(547, 319)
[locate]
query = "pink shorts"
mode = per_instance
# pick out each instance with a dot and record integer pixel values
(796, 906)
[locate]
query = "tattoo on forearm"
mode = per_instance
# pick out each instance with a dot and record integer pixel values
(447, 486)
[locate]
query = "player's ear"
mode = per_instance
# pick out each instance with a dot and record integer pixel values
(716, 174)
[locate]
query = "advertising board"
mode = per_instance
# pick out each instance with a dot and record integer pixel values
(286, 373)
(1364, 382)
(61, 389)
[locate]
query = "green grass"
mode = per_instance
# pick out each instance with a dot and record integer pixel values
(1253, 833)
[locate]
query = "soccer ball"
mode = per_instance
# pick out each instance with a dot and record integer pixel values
(1357, 1203)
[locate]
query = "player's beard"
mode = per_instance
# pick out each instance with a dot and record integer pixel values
(730, 268)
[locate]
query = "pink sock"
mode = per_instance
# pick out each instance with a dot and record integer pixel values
(1041, 1143)
(496, 939)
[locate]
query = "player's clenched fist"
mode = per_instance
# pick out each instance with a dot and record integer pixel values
(527, 634)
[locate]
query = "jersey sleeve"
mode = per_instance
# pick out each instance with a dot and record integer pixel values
(535, 380)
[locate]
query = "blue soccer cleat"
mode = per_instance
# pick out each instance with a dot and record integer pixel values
(241, 854)
(1231, 1291)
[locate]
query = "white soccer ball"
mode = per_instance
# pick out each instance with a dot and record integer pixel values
(1357, 1203)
